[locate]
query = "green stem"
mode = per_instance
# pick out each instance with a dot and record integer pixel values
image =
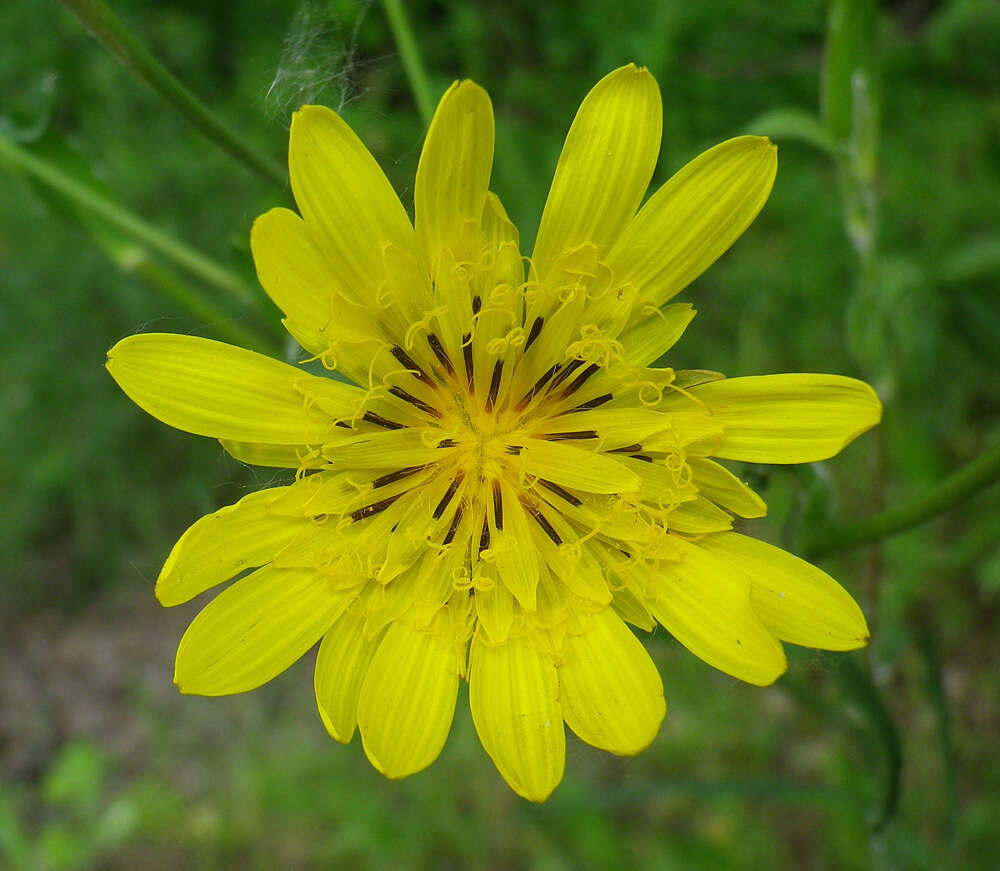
(946, 737)
(216, 319)
(857, 685)
(112, 33)
(193, 261)
(974, 476)
(410, 54)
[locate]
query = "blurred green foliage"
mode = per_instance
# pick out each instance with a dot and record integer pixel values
(95, 491)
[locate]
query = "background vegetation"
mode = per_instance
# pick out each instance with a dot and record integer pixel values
(882, 759)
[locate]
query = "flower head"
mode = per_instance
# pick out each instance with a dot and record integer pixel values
(501, 481)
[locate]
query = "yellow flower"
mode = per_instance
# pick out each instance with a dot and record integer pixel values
(505, 483)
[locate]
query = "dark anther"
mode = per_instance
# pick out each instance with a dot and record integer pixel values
(454, 526)
(393, 477)
(439, 352)
(628, 449)
(514, 450)
(399, 393)
(592, 403)
(446, 443)
(542, 522)
(477, 304)
(567, 436)
(374, 508)
(484, 538)
(642, 457)
(467, 354)
(536, 328)
(571, 367)
(497, 505)
(407, 361)
(559, 491)
(539, 384)
(448, 496)
(578, 382)
(378, 420)
(494, 385)
(344, 424)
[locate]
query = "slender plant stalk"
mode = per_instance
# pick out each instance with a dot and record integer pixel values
(857, 685)
(938, 699)
(409, 51)
(112, 33)
(953, 490)
(207, 313)
(118, 216)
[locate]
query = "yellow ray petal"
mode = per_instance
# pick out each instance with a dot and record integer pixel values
(690, 221)
(605, 166)
(798, 602)
(344, 196)
(514, 697)
(294, 272)
(787, 418)
(453, 175)
(516, 559)
(704, 602)
(699, 516)
(611, 692)
(221, 545)
(503, 238)
(213, 389)
(341, 666)
(495, 608)
(272, 456)
(615, 427)
(408, 699)
(722, 486)
(254, 630)
(656, 334)
(576, 468)
(383, 450)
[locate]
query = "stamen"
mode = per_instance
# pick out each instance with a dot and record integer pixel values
(439, 352)
(448, 496)
(494, 385)
(578, 383)
(484, 537)
(407, 361)
(628, 449)
(542, 522)
(374, 508)
(559, 491)
(467, 354)
(497, 505)
(477, 304)
(571, 367)
(392, 477)
(454, 526)
(592, 403)
(446, 443)
(515, 450)
(399, 393)
(642, 457)
(567, 436)
(539, 384)
(378, 420)
(536, 328)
